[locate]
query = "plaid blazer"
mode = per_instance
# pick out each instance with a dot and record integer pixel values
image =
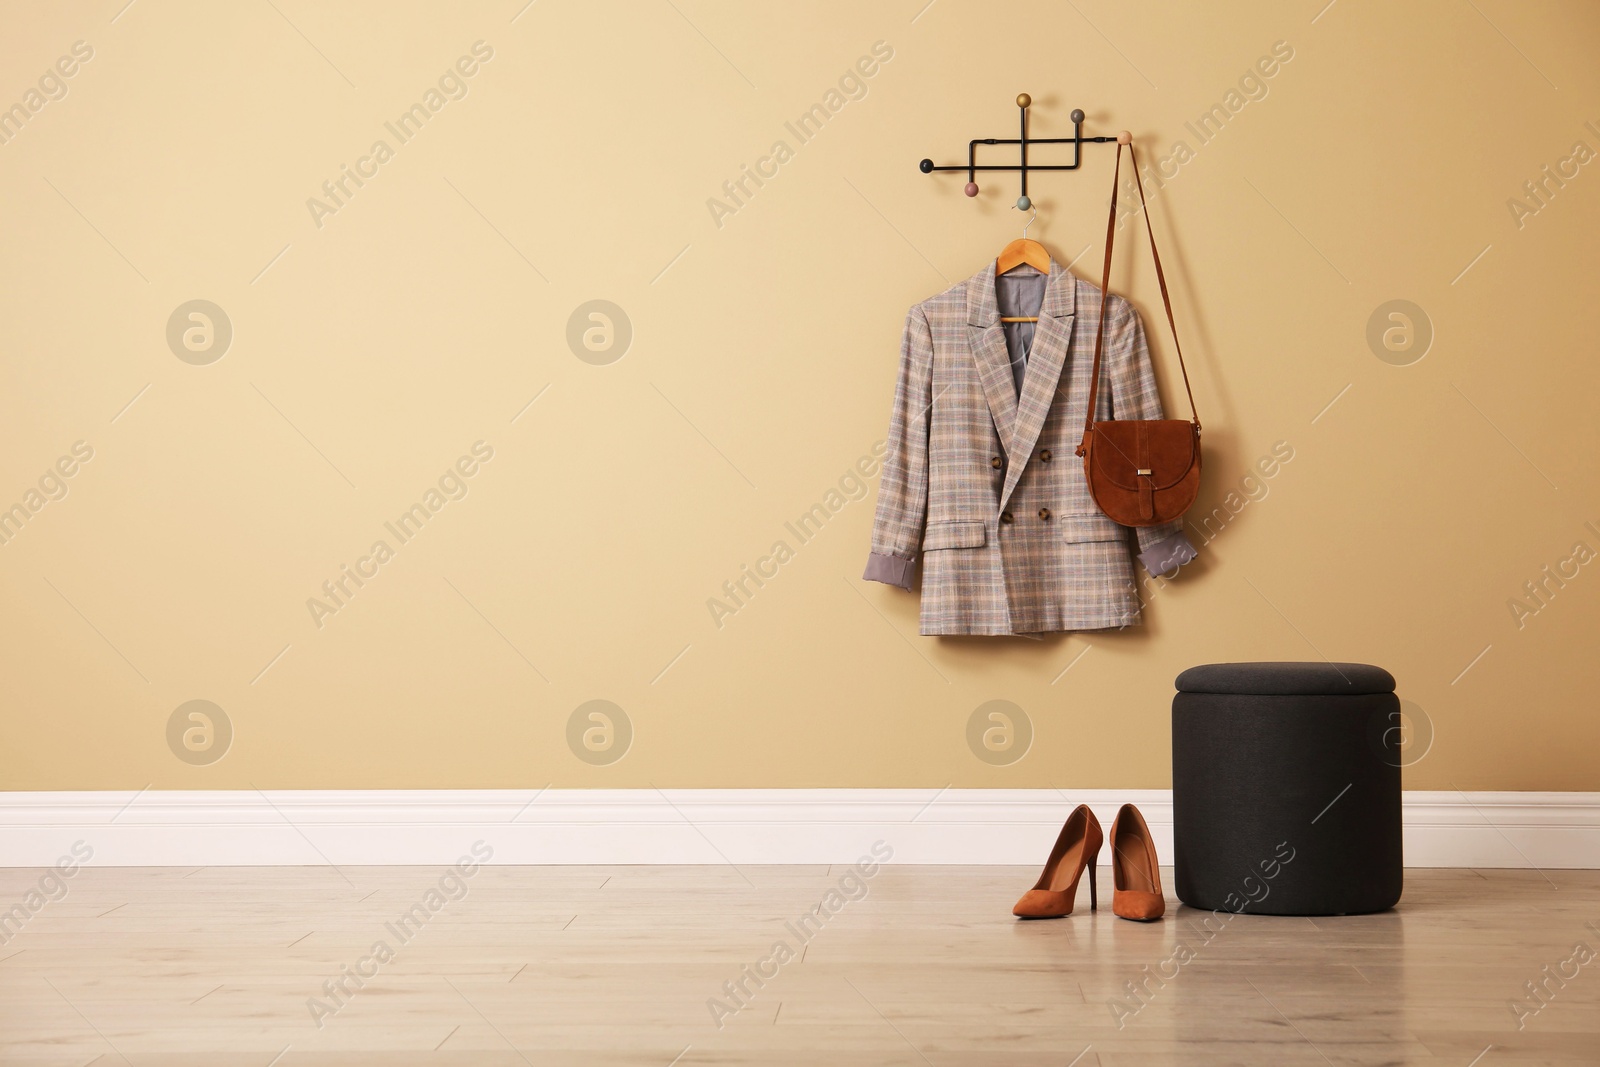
(982, 482)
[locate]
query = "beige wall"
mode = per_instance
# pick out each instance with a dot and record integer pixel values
(424, 313)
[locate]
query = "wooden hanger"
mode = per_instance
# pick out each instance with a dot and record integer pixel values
(1016, 254)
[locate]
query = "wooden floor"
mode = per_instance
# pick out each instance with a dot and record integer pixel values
(617, 965)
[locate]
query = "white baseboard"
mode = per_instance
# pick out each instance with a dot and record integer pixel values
(741, 826)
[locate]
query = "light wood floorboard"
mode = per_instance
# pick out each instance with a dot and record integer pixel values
(614, 966)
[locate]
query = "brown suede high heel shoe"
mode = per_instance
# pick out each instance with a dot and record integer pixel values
(1077, 847)
(1135, 873)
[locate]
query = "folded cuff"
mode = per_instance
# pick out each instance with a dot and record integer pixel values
(1166, 556)
(891, 570)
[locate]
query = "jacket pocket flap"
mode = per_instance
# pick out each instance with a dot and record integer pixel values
(1090, 527)
(952, 535)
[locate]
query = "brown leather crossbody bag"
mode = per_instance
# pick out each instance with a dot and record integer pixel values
(1141, 472)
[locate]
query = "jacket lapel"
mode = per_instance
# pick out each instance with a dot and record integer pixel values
(987, 339)
(1047, 356)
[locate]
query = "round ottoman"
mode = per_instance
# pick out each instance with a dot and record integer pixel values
(1286, 788)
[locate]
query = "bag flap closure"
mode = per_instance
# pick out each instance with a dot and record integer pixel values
(1121, 448)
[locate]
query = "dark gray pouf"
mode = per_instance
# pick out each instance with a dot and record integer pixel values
(1286, 788)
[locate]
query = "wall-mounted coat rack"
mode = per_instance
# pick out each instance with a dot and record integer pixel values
(1024, 101)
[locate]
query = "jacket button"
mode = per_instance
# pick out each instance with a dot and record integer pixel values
(1044, 457)
(1044, 513)
(997, 462)
(1007, 518)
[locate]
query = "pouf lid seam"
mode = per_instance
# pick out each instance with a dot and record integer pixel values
(1286, 679)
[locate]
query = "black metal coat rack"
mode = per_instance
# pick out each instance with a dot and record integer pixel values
(1022, 166)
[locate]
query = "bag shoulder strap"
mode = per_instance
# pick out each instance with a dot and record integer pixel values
(1105, 293)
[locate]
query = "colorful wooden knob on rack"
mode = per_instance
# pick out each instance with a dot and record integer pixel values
(1023, 100)
(1077, 116)
(1023, 203)
(1124, 137)
(926, 166)
(971, 189)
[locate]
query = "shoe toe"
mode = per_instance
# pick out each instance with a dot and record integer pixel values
(1042, 904)
(1137, 905)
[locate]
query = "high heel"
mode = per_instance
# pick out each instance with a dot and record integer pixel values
(1135, 872)
(1077, 847)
